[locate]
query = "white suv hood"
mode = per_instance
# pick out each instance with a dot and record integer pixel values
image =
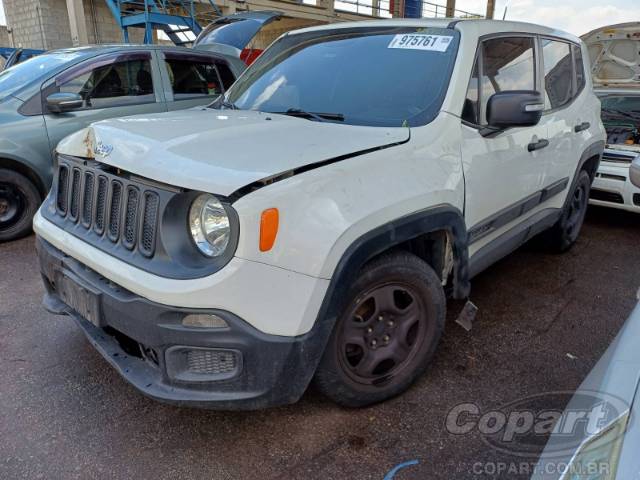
(614, 52)
(220, 151)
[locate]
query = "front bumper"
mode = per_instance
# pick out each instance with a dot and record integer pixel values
(148, 345)
(613, 188)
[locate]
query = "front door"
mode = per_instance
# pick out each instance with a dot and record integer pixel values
(503, 176)
(113, 85)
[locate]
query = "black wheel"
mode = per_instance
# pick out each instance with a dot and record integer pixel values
(387, 333)
(19, 200)
(564, 233)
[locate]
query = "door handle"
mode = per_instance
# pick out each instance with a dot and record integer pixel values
(581, 127)
(538, 145)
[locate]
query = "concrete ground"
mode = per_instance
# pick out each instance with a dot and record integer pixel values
(543, 322)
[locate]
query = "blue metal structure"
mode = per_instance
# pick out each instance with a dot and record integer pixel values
(179, 19)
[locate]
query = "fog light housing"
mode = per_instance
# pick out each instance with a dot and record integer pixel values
(199, 320)
(197, 364)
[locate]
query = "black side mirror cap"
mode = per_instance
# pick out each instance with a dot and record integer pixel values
(64, 102)
(516, 108)
(634, 172)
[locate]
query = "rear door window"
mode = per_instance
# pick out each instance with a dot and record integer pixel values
(508, 63)
(192, 76)
(558, 73)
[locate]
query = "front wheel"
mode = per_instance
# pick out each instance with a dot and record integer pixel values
(386, 335)
(19, 200)
(564, 233)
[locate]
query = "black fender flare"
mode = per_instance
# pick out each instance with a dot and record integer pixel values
(373, 243)
(439, 218)
(596, 149)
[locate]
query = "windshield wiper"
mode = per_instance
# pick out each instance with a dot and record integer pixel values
(221, 103)
(630, 114)
(320, 117)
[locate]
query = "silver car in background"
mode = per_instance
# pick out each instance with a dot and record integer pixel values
(605, 412)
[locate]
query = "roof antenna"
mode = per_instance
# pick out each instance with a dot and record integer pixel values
(504, 15)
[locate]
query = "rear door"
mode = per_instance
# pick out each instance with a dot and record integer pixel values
(502, 177)
(112, 85)
(564, 117)
(191, 79)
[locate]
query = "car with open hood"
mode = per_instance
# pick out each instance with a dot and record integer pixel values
(615, 55)
(312, 222)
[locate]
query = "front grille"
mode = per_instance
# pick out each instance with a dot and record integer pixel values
(604, 196)
(139, 221)
(612, 157)
(608, 176)
(636, 199)
(109, 205)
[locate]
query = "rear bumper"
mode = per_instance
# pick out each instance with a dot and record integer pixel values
(613, 188)
(148, 345)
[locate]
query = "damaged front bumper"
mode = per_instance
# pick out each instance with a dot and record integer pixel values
(229, 367)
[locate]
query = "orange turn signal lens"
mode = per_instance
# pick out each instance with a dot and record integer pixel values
(268, 228)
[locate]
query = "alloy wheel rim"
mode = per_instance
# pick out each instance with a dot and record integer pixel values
(381, 333)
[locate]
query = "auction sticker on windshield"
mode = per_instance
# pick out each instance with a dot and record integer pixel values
(419, 41)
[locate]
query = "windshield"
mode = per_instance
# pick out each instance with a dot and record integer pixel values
(628, 106)
(22, 74)
(375, 76)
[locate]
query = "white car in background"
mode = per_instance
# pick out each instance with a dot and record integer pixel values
(615, 58)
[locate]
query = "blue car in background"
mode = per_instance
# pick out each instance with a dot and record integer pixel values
(13, 56)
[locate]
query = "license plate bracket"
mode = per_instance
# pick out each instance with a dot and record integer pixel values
(84, 300)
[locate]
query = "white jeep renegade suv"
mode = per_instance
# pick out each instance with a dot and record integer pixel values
(312, 223)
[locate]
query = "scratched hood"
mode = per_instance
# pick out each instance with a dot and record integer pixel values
(220, 151)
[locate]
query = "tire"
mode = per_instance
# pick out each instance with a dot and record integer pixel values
(387, 334)
(19, 201)
(563, 235)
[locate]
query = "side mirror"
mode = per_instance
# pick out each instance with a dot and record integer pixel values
(516, 108)
(634, 172)
(64, 102)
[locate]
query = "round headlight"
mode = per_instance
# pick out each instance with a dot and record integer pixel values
(209, 225)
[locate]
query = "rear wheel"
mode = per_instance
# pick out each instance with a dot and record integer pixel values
(564, 233)
(387, 333)
(19, 200)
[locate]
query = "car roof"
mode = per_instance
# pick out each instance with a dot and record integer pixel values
(471, 27)
(90, 50)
